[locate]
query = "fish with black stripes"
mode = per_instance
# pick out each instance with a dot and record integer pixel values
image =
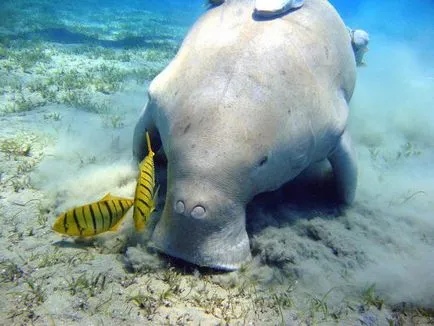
(145, 198)
(94, 218)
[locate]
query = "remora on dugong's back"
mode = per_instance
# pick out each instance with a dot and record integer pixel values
(245, 106)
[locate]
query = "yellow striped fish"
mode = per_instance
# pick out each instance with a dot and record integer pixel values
(95, 218)
(145, 198)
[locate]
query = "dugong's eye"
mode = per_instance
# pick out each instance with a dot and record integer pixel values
(263, 161)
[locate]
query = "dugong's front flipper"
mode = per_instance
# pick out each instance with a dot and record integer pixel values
(145, 123)
(269, 8)
(344, 164)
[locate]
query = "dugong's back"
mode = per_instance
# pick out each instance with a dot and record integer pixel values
(233, 60)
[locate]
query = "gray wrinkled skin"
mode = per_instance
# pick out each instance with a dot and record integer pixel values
(245, 106)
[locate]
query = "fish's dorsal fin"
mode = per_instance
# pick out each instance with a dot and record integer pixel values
(148, 141)
(107, 196)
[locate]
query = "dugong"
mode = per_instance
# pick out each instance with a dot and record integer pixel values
(245, 106)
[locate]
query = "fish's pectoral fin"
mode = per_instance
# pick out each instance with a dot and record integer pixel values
(118, 223)
(116, 226)
(155, 196)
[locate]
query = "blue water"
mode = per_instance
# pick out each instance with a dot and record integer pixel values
(403, 20)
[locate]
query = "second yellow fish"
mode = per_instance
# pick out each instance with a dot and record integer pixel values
(95, 218)
(145, 198)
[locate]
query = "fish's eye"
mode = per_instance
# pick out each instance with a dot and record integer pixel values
(263, 161)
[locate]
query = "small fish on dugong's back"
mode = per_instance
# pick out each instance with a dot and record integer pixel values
(269, 8)
(245, 106)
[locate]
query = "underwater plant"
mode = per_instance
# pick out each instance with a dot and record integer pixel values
(51, 258)
(145, 74)
(3, 52)
(371, 298)
(55, 116)
(90, 285)
(26, 301)
(28, 58)
(19, 104)
(146, 302)
(36, 293)
(9, 271)
(113, 121)
(84, 102)
(15, 147)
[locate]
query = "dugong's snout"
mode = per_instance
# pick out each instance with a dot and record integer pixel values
(206, 230)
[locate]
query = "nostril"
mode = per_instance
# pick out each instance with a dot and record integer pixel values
(179, 207)
(198, 212)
